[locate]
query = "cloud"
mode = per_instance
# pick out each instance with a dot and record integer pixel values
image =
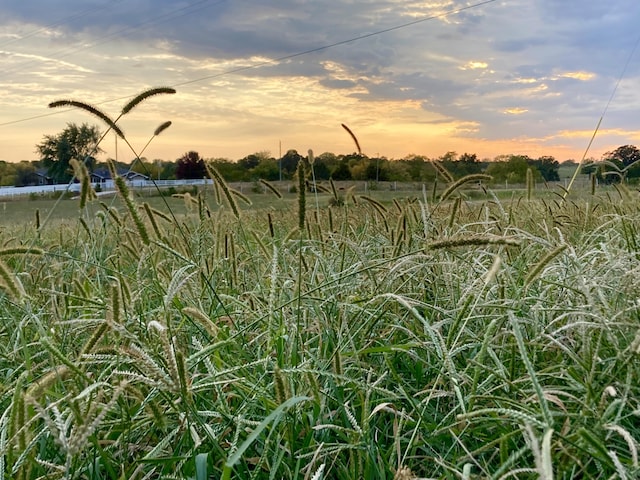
(496, 72)
(515, 111)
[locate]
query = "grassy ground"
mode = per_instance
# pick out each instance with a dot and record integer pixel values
(392, 336)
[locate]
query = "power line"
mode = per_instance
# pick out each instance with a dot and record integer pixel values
(604, 112)
(287, 57)
(339, 43)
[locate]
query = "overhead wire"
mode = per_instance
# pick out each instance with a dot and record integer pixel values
(604, 112)
(281, 59)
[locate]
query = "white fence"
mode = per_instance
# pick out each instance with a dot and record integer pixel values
(105, 186)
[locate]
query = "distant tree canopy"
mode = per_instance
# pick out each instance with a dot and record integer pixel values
(190, 166)
(513, 168)
(25, 174)
(79, 142)
(548, 168)
(622, 163)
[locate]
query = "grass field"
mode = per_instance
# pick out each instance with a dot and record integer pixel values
(395, 336)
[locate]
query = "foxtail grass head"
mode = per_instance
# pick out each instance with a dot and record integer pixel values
(353, 136)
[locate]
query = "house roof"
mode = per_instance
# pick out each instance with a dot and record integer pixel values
(105, 174)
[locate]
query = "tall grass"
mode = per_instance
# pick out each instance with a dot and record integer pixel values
(409, 340)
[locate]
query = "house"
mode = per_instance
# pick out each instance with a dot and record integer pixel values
(102, 175)
(43, 177)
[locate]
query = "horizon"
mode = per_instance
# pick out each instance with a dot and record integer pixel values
(425, 78)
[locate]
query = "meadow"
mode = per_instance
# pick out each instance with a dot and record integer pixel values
(442, 333)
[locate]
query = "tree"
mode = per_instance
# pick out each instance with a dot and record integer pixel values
(627, 159)
(25, 174)
(79, 142)
(342, 171)
(419, 168)
(510, 168)
(190, 166)
(267, 169)
(468, 164)
(289, 162)
(230, 171)
(548, 167)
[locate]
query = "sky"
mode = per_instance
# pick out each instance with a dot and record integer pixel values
(495, 77)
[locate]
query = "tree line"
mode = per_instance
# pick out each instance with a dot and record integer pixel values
(82, 142)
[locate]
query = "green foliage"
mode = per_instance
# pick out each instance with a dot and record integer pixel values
(510, 168)
(342, 171)
(25, 174)
(289, 163)
(548, 168)
(622, 163)
(432, 340)
(190, 166)
(79, 142)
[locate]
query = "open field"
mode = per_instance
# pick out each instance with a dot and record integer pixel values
(392, 335)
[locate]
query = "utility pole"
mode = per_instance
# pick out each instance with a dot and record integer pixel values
(280, 159)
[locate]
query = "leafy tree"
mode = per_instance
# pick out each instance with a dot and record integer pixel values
(419, 168)
(626, 155)
(467, 164)
(321, 170)
(510, 168)
(79, 142)
(168, 171)
(7, 173)
(267, 169)
(548, 167)
(330, 160)
(252, 161)
(230, 171)
(145, 167)
(342, 172)
(627, 160)
(25, 174)
(190, 166)
(289, 162)
(396, 171)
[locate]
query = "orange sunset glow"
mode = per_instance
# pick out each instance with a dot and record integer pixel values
(491, 78)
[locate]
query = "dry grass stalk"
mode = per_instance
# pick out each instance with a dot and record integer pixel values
(161, 128)
(38, 387)
(353, 136)
(271, 187)
(473, 241)
(220, 182)
(379, 207)
(280, 386)
(476, 177)
(92, 110)
(10, 282)
(246, 200)
(125, 194)
(81, 172)
(300, 175)
(144, 95)
(537, 269)
(21, 251)
(442, 171)
(272, 233)
(152, 220)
